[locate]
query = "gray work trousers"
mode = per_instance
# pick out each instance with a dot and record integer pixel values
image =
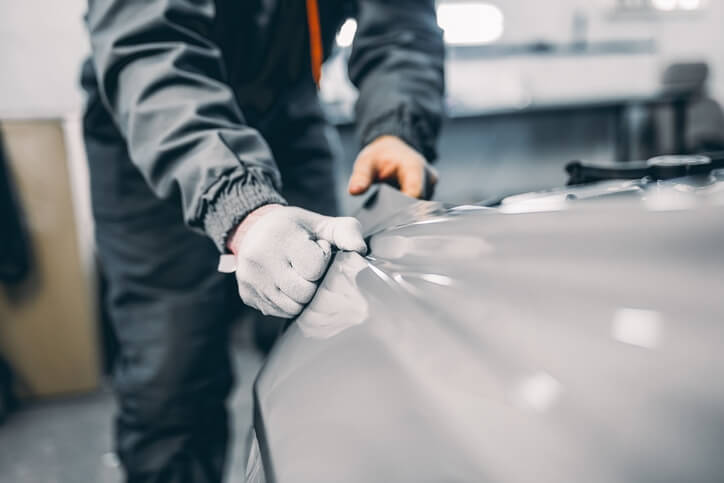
(169, 308)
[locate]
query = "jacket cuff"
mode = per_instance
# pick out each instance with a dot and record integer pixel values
(233, 203)
(401, 122)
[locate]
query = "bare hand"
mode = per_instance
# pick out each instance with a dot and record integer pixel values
(389, 159)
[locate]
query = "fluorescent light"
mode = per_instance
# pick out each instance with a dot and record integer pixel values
(470, 23)
(665, 5)
(689, 4)
(345, 36)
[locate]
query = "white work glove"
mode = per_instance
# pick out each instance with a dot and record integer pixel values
(281, 252)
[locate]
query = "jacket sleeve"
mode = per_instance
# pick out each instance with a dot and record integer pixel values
(397, 63)
(163, 81)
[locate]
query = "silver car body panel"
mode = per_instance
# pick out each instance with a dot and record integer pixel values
(571, 335)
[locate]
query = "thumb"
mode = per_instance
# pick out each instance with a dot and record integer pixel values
(343, 232)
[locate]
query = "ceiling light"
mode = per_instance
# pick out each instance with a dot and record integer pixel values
(665, 5)
(689, 4)
(470, 23)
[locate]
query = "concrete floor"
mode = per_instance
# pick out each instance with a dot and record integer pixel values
(69, 440)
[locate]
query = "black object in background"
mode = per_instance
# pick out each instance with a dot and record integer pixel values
(657, 169)
(14, 248)
(7, 398)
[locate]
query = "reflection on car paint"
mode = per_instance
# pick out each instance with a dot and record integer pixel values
(573, 345)
(637, 327)
(393, 247)
(538, 392)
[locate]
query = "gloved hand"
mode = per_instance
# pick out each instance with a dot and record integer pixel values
(281, 252)
(390, 159)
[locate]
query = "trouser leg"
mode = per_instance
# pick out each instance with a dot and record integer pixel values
(172, 375)
(170, 311)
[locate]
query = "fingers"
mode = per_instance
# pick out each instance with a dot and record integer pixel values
(431, 178)
(363, 174)
(432, 175)
(297, 288)
(308, 259)
(285, 252)
(267, 308)
(417, 178)
(270, 301)
(324, 245)
(343, 232)
(257, 300)
(391, 160)
(288, 307)
(412, 179)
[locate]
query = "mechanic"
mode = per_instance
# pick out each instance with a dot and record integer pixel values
(196, 112)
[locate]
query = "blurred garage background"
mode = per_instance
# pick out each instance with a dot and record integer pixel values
(530, 86)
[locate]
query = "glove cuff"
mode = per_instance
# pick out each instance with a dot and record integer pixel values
(234, 202)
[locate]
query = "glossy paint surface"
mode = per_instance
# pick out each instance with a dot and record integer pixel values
(574, 335)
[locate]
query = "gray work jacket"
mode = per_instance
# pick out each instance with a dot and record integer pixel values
(184, 80)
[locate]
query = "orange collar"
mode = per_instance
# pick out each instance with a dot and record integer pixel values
(316, 50)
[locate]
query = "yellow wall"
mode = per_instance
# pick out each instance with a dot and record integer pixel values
(48, 323)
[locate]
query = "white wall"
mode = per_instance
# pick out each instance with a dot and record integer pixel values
(679, 36)
(42, 43)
